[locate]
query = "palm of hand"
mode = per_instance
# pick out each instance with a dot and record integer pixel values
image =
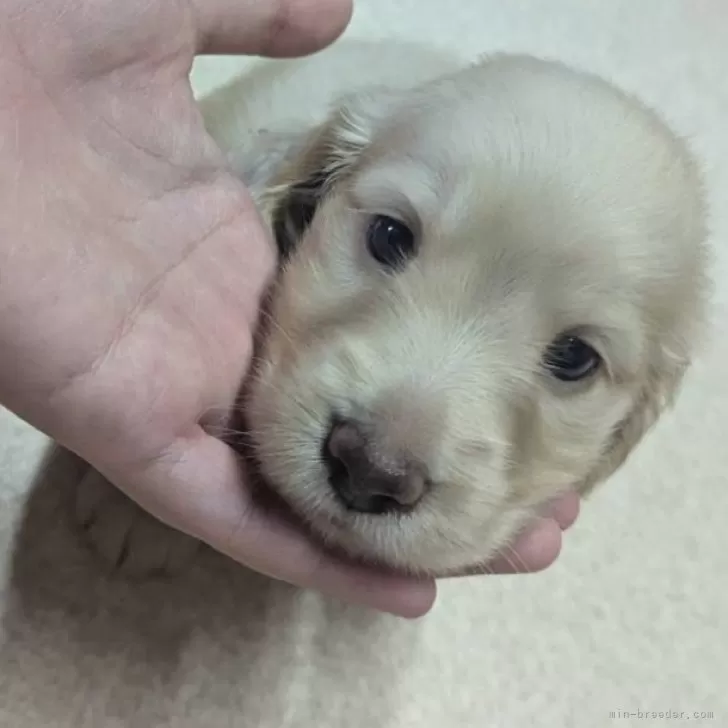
(137, 168)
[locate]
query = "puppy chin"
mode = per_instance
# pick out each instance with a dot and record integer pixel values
(407, 544)
(441, 562)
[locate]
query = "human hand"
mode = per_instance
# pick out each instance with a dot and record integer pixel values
(132, 263)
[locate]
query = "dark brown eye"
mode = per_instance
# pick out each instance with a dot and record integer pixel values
(571, 359)
(390, 242)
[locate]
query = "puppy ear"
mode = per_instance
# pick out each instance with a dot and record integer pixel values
(662, 384)
(295, 208)
(329, 157)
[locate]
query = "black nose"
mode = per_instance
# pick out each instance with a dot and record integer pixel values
(363, 478)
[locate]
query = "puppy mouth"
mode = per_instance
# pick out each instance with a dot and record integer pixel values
(332, 527)
(333, 531)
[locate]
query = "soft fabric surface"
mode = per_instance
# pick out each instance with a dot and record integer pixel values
(634, 617)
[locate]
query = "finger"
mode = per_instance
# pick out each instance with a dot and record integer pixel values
(534, 550)
(564, 510)
(276, 28)
(537, 547)
(198, 487)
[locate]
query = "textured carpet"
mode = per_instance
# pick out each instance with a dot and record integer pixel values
(633, 619)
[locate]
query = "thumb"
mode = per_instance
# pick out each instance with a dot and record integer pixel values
(277, 28)
(198, 486)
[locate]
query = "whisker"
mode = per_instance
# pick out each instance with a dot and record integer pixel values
(517, 563)
(270, 319)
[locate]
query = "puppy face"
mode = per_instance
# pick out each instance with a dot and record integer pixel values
(488, 293)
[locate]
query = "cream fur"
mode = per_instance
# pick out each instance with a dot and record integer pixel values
(544, 200)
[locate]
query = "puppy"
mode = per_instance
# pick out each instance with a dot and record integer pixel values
(490, 287)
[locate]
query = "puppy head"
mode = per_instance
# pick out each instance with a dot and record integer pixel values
(488, 293)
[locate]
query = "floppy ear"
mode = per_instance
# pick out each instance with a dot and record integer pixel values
(681, 331)
(330, 155)
(664, 378)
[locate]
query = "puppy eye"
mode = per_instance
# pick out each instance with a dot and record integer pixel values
(390, 242)
(571, 359)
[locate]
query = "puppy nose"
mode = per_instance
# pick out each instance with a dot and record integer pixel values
(363, 478)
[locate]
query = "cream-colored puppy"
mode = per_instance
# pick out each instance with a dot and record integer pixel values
(490, 287)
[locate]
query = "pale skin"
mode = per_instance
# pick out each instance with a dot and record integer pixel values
(132, 263)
